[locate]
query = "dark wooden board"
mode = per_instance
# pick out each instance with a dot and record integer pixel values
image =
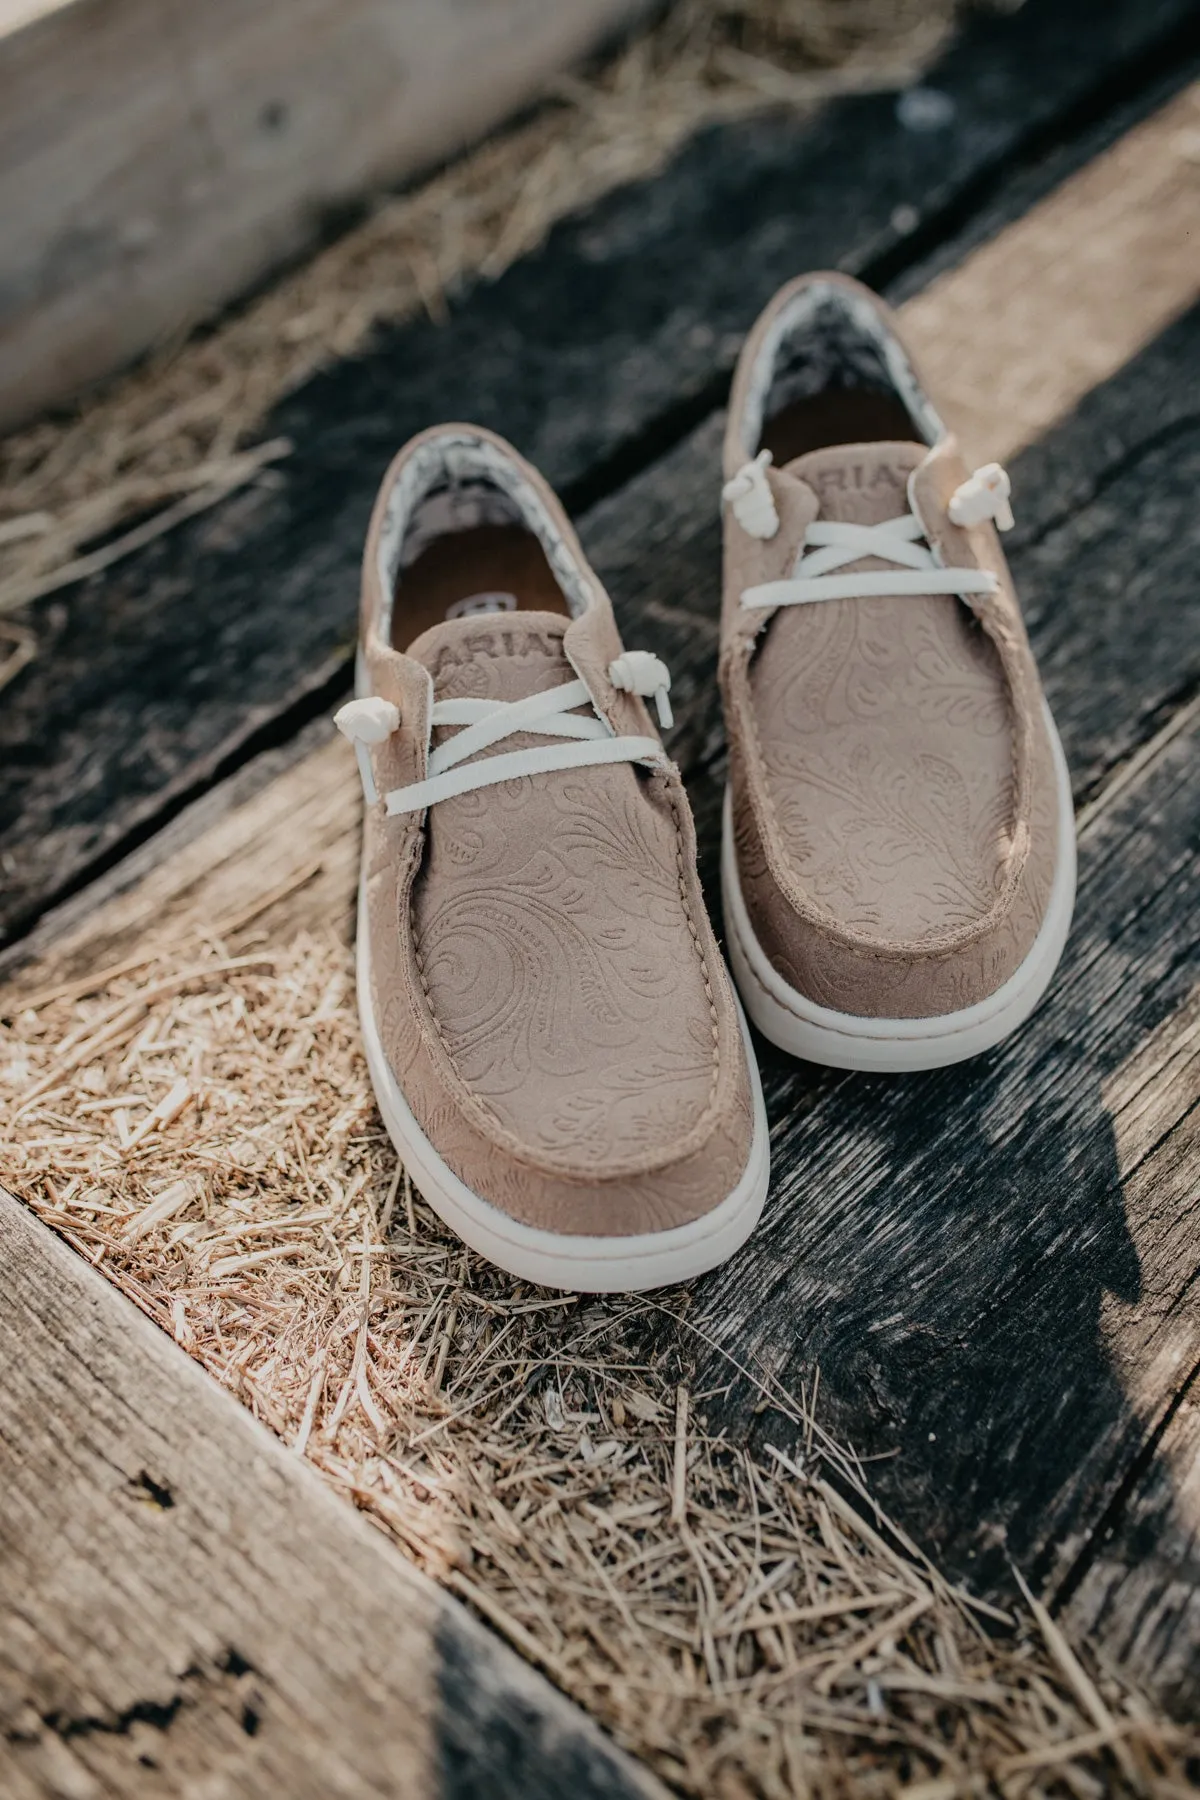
(185, 1607)
(1138, 1593)
(994, 1268)
(1133, 1585)
(943, 1247)
(594, 355)
(971, 1254)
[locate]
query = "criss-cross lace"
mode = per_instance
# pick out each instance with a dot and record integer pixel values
(830, 544)
(551, 713)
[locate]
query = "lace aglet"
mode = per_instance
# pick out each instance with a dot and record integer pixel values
(366, 772)
(366, 722)
(749, 494)
(638, 672)
(984, 495)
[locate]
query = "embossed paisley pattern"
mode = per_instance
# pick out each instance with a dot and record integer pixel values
(888, 758)
(551, 936)
(544, 979)
(901, 985)
(880, 734)
(884, 730)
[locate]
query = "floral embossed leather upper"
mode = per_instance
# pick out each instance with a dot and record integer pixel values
(546, 984)
(893, 789)
(554, 944)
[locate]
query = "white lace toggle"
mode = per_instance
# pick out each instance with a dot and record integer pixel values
(829, 544)
(749, 494)
(640, 672)
(984, 495)
(367, 722)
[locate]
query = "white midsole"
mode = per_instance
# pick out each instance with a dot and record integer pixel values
(578, 1264)
(896, 1046)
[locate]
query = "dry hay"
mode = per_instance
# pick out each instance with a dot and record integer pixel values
(199, 1125)
(174, 437)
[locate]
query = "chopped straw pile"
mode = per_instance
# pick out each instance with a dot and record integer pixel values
(178, 434)
(200, 1126)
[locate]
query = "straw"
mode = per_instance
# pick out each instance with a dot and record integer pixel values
(199, 1124)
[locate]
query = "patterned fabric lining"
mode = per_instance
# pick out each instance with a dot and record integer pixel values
(828, 338)
(455, 482)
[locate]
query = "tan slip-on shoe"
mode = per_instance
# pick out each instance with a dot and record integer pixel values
(555, 1044)
(898, 864)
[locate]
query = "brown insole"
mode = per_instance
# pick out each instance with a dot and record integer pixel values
(489, 559)
(836, 416)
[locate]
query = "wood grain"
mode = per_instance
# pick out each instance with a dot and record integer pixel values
(156, 158)
(1018, 1337)
(990, 1285)
(593, 355)
(186, 1609)
(1133, 1583)
(1067, 295)
(297, 837)
(1139, 1595)
(999, 1314)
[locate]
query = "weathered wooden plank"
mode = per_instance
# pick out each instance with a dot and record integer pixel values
(154, 161)
(591, 355)
(1086, 577)
(293, 841)
(1133, 1582)
(1006, 1296)
(1031, 331)
(929, 1270)
(998, 1311)
(186, 1608)
(946, 1278)
(1017, 1336)
(1139, 1596)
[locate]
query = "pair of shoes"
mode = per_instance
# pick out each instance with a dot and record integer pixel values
(555, 1044)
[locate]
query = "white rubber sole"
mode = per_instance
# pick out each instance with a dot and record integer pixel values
(583, 1265)
(898, 1046)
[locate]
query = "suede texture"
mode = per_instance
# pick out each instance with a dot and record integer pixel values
(892, 782)
(546, 984)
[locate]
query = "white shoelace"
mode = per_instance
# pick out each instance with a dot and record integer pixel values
(830, 544)
(486, 722)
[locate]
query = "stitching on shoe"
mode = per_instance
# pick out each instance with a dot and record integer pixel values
(709, 1104)
(479, 1100)
(856, 1037)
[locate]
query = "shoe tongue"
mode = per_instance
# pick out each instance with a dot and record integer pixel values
(494, 656)
(859, 484)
